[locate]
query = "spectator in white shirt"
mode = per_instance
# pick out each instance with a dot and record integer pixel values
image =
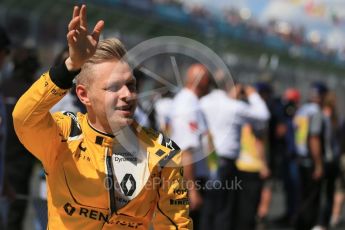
(225, 116)
(162, 108)
(187, 128)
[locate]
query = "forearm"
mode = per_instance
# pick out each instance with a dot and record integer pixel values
(260, 146)
(264, 172)
(257, 109)
(315, 150)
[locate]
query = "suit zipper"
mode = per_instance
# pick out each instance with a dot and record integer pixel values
(110, 180)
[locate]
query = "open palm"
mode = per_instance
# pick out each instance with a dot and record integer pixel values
(82, 44)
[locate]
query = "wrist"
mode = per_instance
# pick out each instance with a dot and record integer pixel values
(71, 66)
(62, 76)
(250, 90)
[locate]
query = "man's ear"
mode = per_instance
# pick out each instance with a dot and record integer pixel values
(82, 94)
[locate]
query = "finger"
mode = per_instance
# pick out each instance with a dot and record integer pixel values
(77, 32)
(76, 11)
(97, 30)
(71, 37)
(83, 20)
(74, 23)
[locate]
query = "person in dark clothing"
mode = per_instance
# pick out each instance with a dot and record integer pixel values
(331, 158)
(18, 172)
(336, 219)
(5, 44)
(4, 52)
(310, 146)
(291, 102)
(275, 146)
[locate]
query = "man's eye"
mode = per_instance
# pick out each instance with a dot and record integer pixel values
(112, 88)
(132, 86)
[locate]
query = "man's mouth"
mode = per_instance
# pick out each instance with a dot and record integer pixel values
(126, 110)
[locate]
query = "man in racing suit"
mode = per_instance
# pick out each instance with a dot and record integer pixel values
(103, 170)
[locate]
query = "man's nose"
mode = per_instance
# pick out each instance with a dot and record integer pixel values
(126, 93)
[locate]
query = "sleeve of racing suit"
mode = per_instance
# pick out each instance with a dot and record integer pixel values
(172, 211)
(255, 110)
(41, 132)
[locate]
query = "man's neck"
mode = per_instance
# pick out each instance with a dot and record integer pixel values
(193, 91)
(99, 129)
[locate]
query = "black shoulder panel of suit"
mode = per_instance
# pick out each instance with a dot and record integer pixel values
(75, 127)
(165, 160)
(167, 142)
(62, 77)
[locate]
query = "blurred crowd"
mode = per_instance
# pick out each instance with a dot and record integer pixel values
(254, 139)
(236, 24)
(242, 24)
(238, 141)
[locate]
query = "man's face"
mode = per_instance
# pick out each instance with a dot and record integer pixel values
(112, 94)
(204, 84)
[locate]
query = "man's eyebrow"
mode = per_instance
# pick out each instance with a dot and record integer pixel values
(113, 82)
(132, 79)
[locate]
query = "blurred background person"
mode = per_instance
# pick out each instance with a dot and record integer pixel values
(252, 171)
(337, 220)
(4, 52)
(282, 155)
(188, 126)
(5, 44)
(162, 113)
(226, 115)
(18, 172)
(144, 115)
(310, 146)
(274, 146)
(331, 157)
(2, 157)
(291, 101)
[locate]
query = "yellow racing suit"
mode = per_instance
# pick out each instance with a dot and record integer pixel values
(78, 166)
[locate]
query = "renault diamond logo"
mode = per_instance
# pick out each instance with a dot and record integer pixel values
(128, 178)
(69, 209)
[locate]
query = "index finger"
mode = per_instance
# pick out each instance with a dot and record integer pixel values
(83, 20)
(76, 10)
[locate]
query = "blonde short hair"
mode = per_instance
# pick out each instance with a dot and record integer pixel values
(108, 49)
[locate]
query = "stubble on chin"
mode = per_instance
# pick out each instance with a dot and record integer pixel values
(121, 123)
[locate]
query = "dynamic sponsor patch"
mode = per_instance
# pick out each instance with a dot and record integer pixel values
(125, 156)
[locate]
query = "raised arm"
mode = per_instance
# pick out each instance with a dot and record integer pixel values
(40, 132)
(256, 108)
